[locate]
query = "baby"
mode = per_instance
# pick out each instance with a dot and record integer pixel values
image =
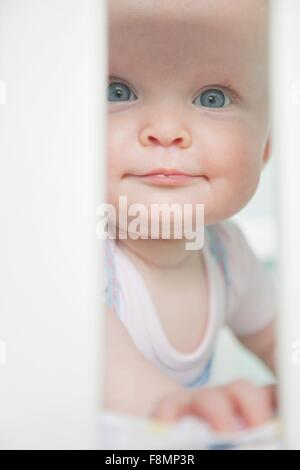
(188, 123)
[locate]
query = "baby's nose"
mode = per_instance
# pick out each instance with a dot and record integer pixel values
(158, 136)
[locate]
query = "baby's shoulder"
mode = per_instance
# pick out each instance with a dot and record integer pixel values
(228, 245)
(226, 240)
(227, 233)
(250, 286)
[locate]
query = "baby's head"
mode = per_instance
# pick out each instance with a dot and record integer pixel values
(188, 90)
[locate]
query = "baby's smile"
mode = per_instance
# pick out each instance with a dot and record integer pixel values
(167, 177)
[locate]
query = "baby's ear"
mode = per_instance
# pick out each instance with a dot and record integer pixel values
(267, 151)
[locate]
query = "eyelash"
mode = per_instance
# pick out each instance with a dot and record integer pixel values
(225, 88)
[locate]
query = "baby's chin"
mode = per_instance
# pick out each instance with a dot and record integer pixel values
(217, 201)
(139, 191)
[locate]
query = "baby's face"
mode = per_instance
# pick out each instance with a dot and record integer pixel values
(187, 92)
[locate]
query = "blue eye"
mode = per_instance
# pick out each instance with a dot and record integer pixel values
(214, 98)
(118, 92)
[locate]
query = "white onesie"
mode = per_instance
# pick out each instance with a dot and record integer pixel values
(241, 295)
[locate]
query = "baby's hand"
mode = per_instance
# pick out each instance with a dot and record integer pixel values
(224, 407)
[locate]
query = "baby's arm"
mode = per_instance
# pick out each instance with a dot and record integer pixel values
(252, 296)
(263, 345)
(131, 384)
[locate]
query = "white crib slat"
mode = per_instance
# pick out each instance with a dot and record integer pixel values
(285, 69)
(51, 125)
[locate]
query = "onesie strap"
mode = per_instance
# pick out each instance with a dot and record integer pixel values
(204, 376)
(218, 250)
(112, 288)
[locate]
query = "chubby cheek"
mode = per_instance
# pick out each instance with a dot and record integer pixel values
(234, 171)
(116, 158)
(113, 172)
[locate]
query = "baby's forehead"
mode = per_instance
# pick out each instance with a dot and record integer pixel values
(191, 32)
(187, 10)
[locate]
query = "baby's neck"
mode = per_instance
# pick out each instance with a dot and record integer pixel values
(159, 254)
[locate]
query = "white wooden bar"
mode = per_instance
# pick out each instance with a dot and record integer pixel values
(285, 70)
(51, 143)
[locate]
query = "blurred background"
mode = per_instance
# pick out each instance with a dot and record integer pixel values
(257, 221)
